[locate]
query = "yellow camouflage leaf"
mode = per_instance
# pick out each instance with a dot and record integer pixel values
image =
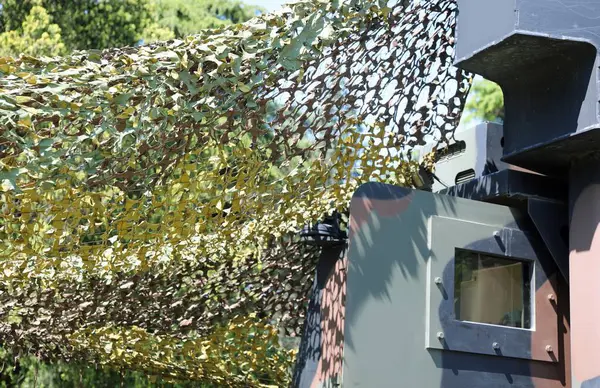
(151, 197)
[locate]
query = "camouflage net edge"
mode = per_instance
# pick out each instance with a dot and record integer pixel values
(171, 176)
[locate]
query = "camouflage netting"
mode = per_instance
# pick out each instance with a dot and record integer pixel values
(150, 196)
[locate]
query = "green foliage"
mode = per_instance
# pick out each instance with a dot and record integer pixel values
(485, 103)
(85, 24)
(53, 27)
(187, 17)
(154, 32)
(36, 36)
(28, 371)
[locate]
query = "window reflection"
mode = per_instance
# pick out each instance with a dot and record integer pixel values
(490, 289)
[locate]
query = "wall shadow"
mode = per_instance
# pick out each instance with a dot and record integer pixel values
(319, 358)
(386, 201)
(389, 250)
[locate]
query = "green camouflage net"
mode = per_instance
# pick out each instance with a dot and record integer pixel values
(150, 196)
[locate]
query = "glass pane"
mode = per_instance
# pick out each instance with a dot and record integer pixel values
(490, 289)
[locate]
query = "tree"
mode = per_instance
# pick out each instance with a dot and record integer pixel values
(85, 24)
(187, 17)
(36, 36)
(54, 27)
(486, 102)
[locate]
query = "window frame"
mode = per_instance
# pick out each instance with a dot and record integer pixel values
(445, 236)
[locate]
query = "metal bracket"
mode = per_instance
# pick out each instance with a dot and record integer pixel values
(551, 220)
(543, 197)
(510, 185)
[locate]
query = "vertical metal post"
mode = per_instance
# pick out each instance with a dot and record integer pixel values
(584, 262)
(546, 57)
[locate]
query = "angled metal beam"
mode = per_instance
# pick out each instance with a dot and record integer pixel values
(509, 186)
(551, 221)
(544, 55)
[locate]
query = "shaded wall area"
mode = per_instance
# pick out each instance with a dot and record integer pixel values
(319, 360)
(392, 310)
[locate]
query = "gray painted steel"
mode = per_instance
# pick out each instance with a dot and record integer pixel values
(476, 337)
(511, 186)
(544, 55)
(551, 220)
(481, 152)
(393, 312)
(544, 198)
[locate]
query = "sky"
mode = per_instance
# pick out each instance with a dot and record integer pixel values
(270, 5)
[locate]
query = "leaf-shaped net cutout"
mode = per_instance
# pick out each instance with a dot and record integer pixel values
(150, 196)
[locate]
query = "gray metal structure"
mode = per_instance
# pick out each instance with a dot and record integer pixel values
(474, 152)
(544, 55)
(395, 306)
(400, 326)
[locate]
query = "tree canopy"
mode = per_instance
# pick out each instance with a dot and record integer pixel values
(84, 24)
(486, 102)
(57, 27)
(141, 224)
(36, 36)
(184, 17)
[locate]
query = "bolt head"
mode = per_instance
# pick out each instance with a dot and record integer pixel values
(551, 297)
(440, 335)
(496, 233)
(549, 348)
(438, 280)
(496, 345)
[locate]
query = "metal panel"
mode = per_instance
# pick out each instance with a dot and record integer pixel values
(544, 55)
(509, 184)
(388, 307)
(482, 155)
(482, 338)
(550, 219)
(477, 149)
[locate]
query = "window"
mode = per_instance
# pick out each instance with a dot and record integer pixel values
(491, 289)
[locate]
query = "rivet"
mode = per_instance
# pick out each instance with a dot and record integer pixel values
(440, 335)
(496, 233)
(496, 345)
(551, 297)
(438, 280)
(549, 348)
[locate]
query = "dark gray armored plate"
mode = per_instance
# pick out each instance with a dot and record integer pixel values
(544, 55)
(400, 296)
